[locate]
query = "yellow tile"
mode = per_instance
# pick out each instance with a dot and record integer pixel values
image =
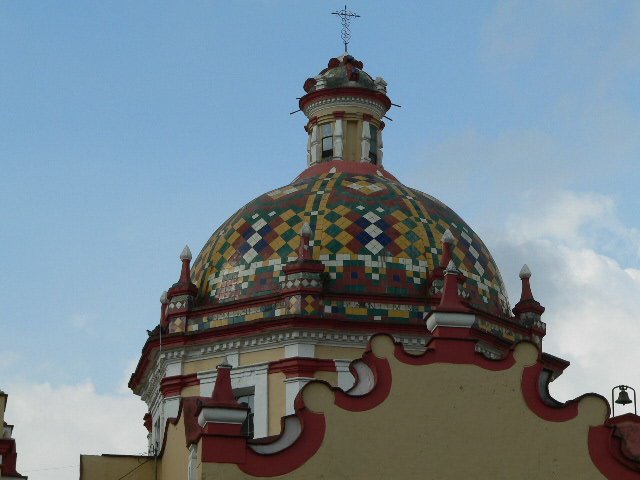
(356, 311)
(344, 238)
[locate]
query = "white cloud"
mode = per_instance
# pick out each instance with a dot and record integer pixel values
(592, 299)
(81, 320)
(54, 424)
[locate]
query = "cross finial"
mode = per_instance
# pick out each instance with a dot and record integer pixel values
(345, 17)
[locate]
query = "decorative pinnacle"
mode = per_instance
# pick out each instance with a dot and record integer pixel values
(525, 272)
(447, 237)
(345, 17)
(164, 298)
(306, 230)
(186, 253)
(451, 268)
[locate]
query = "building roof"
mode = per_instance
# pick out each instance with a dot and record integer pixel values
(374, 235)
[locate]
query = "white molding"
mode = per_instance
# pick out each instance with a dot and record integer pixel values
(338, 146)
(375, 108)
(221, 415)
(299, 350)
(292, 387)
(366, 379)
(447, 319)
(366, 142)
(346, 379)
(291, 432)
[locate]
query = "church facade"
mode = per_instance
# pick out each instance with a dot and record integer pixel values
(347, 326)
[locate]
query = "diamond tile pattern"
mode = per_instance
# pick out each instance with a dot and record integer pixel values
(373, 234)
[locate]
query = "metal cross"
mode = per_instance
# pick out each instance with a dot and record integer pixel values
(345, 17)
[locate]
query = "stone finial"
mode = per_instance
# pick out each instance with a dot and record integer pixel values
(304, 252)
(450, 300)
(380, 84)
(184, 285)
(164, 298)
(451, 268)
(186, 253)
(527, 305)
(447, 248)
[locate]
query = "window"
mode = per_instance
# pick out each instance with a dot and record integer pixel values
(373, 144)
(247, 426)
(327, 140)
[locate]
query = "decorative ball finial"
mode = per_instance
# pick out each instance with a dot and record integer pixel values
(525, 272)
(306, 230)
(164, 298)
(186, 253)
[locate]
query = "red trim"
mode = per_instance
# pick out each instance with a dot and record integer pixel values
(345, 92)
(311, 266)
(304, 367)
(378, 394)
(9, 457)
(172, 386)
(606, 451)
(456, 351)
(287, 460)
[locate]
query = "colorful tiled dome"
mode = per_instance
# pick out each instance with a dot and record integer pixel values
(375, 236)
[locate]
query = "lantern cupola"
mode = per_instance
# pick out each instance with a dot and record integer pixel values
(345, 107)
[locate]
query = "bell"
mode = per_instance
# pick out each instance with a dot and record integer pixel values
(623, 398)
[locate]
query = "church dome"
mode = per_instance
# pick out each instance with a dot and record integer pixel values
(376, 237)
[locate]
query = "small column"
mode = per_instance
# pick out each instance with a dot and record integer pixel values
(366, 141)
(314, 145)
(380, 145)
(338, 136)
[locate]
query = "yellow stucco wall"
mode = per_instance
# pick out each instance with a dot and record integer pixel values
(329, 377)
(110, 467)
(446, 422)
(175, 457)
(196, 366)
(277, 401)
(343, 353)
(270, 355)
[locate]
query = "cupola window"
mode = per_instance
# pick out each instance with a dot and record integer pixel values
(327, 140)
(373, 144)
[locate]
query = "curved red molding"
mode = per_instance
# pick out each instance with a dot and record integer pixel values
(287, 460)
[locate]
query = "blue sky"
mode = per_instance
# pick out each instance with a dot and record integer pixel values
(128, 129)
